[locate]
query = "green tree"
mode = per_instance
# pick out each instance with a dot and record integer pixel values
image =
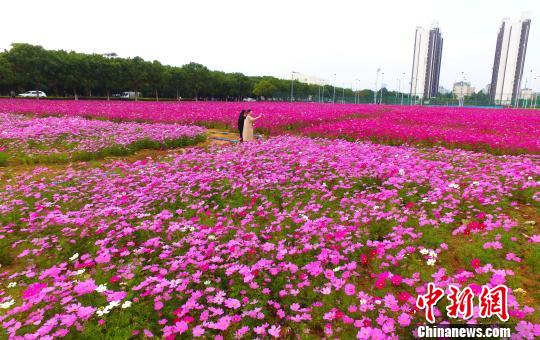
(264, 88)
(7, 77)
(29, 63)
(197, 77)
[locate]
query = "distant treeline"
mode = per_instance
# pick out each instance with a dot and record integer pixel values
(26, 67)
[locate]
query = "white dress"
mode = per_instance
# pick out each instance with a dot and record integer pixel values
(247, 134)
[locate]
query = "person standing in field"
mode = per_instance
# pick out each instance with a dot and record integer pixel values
(241, 119)
(247, 134)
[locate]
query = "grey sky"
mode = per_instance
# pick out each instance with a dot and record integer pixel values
(349, 38)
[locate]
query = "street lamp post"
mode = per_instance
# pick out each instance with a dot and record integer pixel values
(334, 97)
(358, 92)
(382, 82)
(292, 85)
(376, 88)
(403, 82)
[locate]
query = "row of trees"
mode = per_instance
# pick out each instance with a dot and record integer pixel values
(69, 74)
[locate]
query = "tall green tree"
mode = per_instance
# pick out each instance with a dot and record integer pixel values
(264, 88)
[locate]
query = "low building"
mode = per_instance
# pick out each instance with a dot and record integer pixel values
(462, 89)
(110, 55)
(308, 79)
(526, 94)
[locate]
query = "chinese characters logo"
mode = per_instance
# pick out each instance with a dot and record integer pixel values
(492, 302)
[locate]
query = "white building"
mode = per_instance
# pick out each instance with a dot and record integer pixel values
(110, 55)
(308, 79)
(527, 94)
(426, 62)
(462, 89)
(509, 60)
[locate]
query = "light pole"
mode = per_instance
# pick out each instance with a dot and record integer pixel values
(376, 87)
(292, 85)
(399, 89)
(403, 82)
(334, 97)
(358, 92)
(382, 83)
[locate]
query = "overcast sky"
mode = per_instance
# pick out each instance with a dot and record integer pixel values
(349, 38)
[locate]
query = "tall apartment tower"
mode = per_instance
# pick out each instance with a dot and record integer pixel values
(426, 62)
(509, 60)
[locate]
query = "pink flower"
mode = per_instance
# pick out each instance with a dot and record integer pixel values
(103, 257)
(232, 303)
(158, 305)
(116, 296)
(242, 331)
(404, 320)
(33, 289)
(349, 289)
(85, 313)
(475, 263)
(198, 331)
(396, 280)
(181, 326)
(512, 257)
(274, 331)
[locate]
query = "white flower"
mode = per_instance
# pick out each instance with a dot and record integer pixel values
(211, 237)
(377, 302)
(126, 304)
(6, 305)
(431, 262)
(74, 257)
(424, 251)
(453, 185)
(207, 282)
(337, 269)
(475, 183)
(101, 288)
(432, 253)
(363, 301)
(12, 285)
(113, 304)
(401, 172)
(80, 271)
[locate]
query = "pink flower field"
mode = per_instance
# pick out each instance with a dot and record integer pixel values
(500, 131)
(32, 138)
(289, 237)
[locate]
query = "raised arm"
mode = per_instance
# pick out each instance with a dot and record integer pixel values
(255, 118)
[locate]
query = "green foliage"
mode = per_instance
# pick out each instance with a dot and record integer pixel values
(70, 74)
(3, 159)
(264, 88)
(5, 253)
(87, 156)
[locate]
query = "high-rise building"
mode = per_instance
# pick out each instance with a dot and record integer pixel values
(509, 60)
(426, 62)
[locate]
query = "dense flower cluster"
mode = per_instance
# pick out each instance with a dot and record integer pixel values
(281, 238)
(48, 135)
(502, 130)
